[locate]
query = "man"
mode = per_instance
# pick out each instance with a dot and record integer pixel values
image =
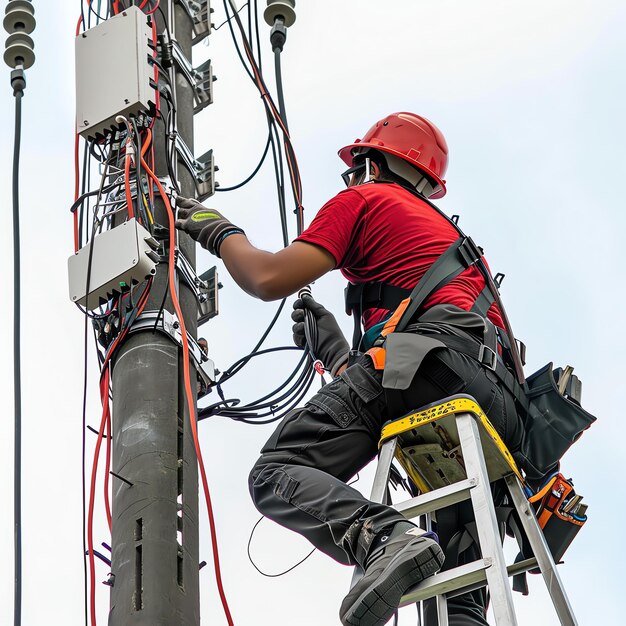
(381, 230)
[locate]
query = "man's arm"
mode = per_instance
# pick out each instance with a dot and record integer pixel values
(271, 276)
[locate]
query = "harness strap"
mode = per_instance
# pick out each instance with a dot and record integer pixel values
(363, 296)
(461, 254)
(483, 302)
(489, 358)
(374, 296)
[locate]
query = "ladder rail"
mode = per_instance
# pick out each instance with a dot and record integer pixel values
(542, 554)
(486, 521)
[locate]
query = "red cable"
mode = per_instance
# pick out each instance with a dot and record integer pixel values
(129, 198)
(152, 10)
(157, 93)
(189, 393)
(104, 424)
(104, 391)
(107, 470)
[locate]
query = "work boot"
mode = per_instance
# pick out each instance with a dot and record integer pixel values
(396, 564)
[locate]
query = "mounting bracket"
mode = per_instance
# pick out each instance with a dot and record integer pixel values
(202, 169)
(200, 13)
(201, 78)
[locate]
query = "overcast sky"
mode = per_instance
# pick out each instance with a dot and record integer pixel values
(530, 96)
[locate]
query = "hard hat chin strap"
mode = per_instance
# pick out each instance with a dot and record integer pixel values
(412, 175)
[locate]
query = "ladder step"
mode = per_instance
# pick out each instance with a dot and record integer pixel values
(437, 499)
(459, 580)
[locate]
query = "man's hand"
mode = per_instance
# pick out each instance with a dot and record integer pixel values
(332, 349)
(207, 226)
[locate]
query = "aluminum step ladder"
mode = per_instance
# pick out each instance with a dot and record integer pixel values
(452, 453)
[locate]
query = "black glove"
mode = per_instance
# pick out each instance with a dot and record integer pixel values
(332, 349)
(207, 226)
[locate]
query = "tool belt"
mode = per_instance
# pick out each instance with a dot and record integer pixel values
(553, 416)
(548, 401)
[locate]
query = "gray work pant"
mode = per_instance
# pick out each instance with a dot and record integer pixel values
(300, 479)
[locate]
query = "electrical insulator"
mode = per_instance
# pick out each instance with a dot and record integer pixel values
(280, 9)
(19, 22)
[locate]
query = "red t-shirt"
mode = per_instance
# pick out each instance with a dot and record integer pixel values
(383, 233)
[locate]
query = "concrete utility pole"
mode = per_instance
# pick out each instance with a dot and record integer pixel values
(155, 560)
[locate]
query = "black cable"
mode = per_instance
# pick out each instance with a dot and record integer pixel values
(279, 175)
(264, 573)
(18, 92)
(99, 17)
(83, 192)
(249, 21)
(262, 402)
(296, 190)
(276, 412)
(239, 364)
(95, 192)
(158, 317)
(293, 566)
(254, 353)
(279, 87)
(254, 173)
(258, 37)
(165, 25)
(82, 14)
(296, 388)
(232, 32)
(230, 18)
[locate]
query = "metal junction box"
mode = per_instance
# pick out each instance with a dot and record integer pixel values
(114, 75)
(121, 257)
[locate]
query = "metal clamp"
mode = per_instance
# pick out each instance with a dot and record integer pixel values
(199, 11)
(202, 169)
(169, 325)
(201, 78)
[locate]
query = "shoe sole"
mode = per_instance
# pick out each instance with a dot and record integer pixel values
(377, 603)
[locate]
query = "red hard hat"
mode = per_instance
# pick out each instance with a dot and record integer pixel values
(410, 137)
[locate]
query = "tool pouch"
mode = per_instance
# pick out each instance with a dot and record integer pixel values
(554, 420)
(561, 514)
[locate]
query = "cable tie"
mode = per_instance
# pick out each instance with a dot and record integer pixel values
(318, 366)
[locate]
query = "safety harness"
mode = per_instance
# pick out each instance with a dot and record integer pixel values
(462, 254)
(407, 305)
(544, 404)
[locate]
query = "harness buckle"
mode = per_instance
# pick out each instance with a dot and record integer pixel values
(469, 252)
(487, 357)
